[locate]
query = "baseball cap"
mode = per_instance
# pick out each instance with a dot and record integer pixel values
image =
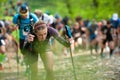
(23, 9)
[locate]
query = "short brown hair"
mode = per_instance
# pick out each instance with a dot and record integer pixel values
(40, 22)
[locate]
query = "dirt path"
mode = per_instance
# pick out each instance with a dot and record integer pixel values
(112, 66)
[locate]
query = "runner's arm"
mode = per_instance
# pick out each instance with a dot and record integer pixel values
(56, 35)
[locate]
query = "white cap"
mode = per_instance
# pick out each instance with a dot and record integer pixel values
(115, 16)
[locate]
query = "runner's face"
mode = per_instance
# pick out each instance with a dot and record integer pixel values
(76, 26)
(108, 25)
(41, 34)
(24, 16)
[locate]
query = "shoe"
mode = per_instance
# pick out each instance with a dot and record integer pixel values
(102, 56)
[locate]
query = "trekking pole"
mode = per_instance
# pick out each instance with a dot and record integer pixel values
(28, 31)
(17, 60)
(28, 72)
(17, 57)
(73, 64)
(69, 34)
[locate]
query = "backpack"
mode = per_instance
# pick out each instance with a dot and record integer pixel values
(42, 17)
(31, 23)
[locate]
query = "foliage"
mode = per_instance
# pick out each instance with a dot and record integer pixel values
(85, 8)
(88, 9)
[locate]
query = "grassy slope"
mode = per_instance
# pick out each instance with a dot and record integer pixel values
(87, 67)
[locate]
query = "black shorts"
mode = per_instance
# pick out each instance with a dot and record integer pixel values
(23, 45)
(107, 40)
(26, 47)
(76, 38)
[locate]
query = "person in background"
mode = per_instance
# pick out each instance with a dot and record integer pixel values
(2, 42)
(92, 36)
(76, 33)
(107, 32)
(25, 21)
(115, 21)
(42, 16)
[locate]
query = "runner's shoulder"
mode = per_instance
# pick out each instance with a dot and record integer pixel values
(51, 30)
(16, 15)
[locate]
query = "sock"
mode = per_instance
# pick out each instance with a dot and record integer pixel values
(96, 48)
(91, 48)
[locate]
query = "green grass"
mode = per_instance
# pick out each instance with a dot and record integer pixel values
(86, 67)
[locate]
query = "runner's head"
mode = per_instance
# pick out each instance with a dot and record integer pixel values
(38, 12)
(76, 25)
(40, 29)
(24, 11)
(108, 23)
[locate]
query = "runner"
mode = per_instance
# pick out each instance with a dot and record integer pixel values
(2, 42)
(92, 36)
(76, 32)
(107, 33)
(40, 44)
(115, 21)
(25, 19)
(118, 38)
(42, 16)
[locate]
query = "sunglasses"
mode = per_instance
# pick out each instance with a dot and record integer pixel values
(23, 13)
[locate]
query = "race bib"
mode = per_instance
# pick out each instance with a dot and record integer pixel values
(3, 42)
(25, 33)
(77, 34)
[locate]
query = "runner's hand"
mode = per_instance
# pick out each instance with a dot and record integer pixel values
(30, 38)
(71, 40)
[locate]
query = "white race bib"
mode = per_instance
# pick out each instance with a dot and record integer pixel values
(77, 34)
(3, 42)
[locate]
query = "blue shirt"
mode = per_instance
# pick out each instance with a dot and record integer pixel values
(23, 23)
(115, 23)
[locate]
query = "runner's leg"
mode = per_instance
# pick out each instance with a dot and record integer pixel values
(48, 61)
